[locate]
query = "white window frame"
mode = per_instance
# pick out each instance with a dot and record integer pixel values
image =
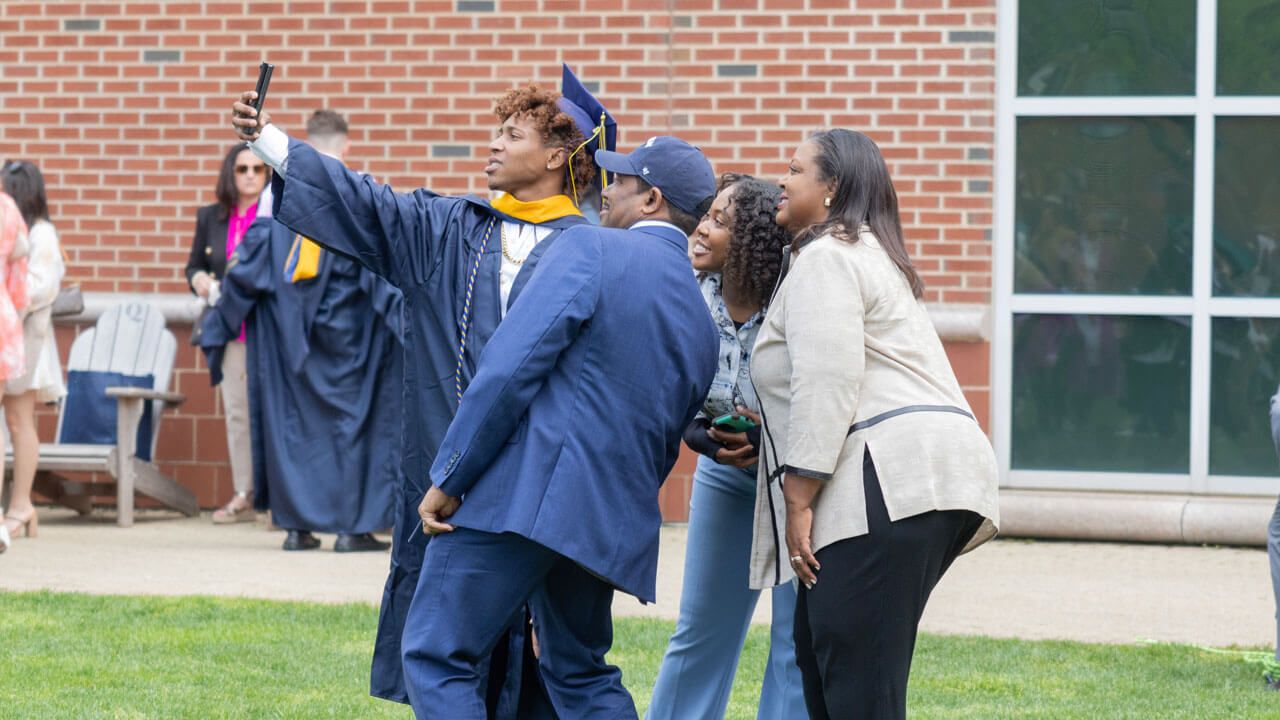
(1201, 306)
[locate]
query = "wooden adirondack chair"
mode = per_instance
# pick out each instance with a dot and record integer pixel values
(130, 339)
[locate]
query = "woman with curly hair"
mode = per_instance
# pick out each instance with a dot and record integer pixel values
(737, 250)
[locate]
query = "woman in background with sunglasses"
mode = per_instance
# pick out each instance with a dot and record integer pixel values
(219, 228)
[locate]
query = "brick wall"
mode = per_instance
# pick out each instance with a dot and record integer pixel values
(125, 107)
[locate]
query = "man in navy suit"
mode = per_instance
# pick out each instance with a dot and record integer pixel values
(548, 476)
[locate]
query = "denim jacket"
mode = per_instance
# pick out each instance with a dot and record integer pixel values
(732, 384)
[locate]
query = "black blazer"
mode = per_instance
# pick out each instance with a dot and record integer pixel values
(209, 246)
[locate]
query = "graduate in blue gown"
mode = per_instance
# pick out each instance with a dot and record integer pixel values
(325, 368)
(326, 395)
(546, 485)
(460, 263)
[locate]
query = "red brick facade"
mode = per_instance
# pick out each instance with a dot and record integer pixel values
(125, 108)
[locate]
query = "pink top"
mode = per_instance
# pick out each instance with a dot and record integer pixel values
(237, 225)
(13, 289)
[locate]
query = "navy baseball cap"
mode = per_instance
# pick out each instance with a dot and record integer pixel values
(675, 167)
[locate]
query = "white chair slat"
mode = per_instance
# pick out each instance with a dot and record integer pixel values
(104, 340)
(134, 330)
(81, 350)
(145, 356)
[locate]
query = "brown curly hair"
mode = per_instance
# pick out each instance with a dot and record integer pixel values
(557, 128)
(755, 240)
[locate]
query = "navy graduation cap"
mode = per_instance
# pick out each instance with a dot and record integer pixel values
(593, 121)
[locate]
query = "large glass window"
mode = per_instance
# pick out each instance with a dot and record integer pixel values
(1137, 244)
(1104, 205)
(1248, 47)
(1101, 392)
(1106, 47)
(1246, 355)
(1246, 201)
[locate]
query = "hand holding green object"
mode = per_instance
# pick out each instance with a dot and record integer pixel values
(733, 423)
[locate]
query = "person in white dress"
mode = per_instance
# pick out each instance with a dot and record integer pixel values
(42, 379)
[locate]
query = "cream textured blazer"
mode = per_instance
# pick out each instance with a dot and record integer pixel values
(847, 359)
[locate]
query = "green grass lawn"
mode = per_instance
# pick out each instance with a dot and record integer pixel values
(82, 656)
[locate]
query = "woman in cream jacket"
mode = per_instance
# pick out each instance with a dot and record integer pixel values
(874, 474)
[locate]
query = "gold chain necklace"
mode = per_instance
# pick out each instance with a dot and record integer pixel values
(507, 253)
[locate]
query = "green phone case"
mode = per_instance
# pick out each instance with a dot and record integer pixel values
(733, 423)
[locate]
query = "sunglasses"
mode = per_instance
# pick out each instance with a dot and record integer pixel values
(246, 169)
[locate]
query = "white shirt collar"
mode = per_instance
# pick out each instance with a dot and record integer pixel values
(655, 223)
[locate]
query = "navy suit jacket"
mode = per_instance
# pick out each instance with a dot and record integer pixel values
(574, 416)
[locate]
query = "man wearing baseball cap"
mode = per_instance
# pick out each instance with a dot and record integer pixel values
(663, 170)
(545, 488)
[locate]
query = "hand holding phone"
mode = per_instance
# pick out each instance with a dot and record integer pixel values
(730, 431)
(247, 117)
(733, 423)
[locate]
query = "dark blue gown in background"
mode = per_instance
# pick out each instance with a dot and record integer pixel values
(427, 246)
(325, 375)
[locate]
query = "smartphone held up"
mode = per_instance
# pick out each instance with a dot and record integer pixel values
(264, 79)
(260, 96)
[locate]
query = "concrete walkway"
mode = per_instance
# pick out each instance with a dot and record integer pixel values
(1100, 592)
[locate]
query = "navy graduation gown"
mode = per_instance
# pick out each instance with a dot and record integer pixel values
(426, 245)
(324, 362)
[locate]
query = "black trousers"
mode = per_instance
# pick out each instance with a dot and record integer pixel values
(856, 629)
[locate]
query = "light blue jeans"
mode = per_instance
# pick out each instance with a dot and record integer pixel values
(715, 610)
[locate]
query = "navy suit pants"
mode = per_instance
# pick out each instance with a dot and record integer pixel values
(471, 585)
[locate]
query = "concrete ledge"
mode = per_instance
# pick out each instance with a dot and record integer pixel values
(955, 322)
(178, 308)
(1193, 519)
(961, 322)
